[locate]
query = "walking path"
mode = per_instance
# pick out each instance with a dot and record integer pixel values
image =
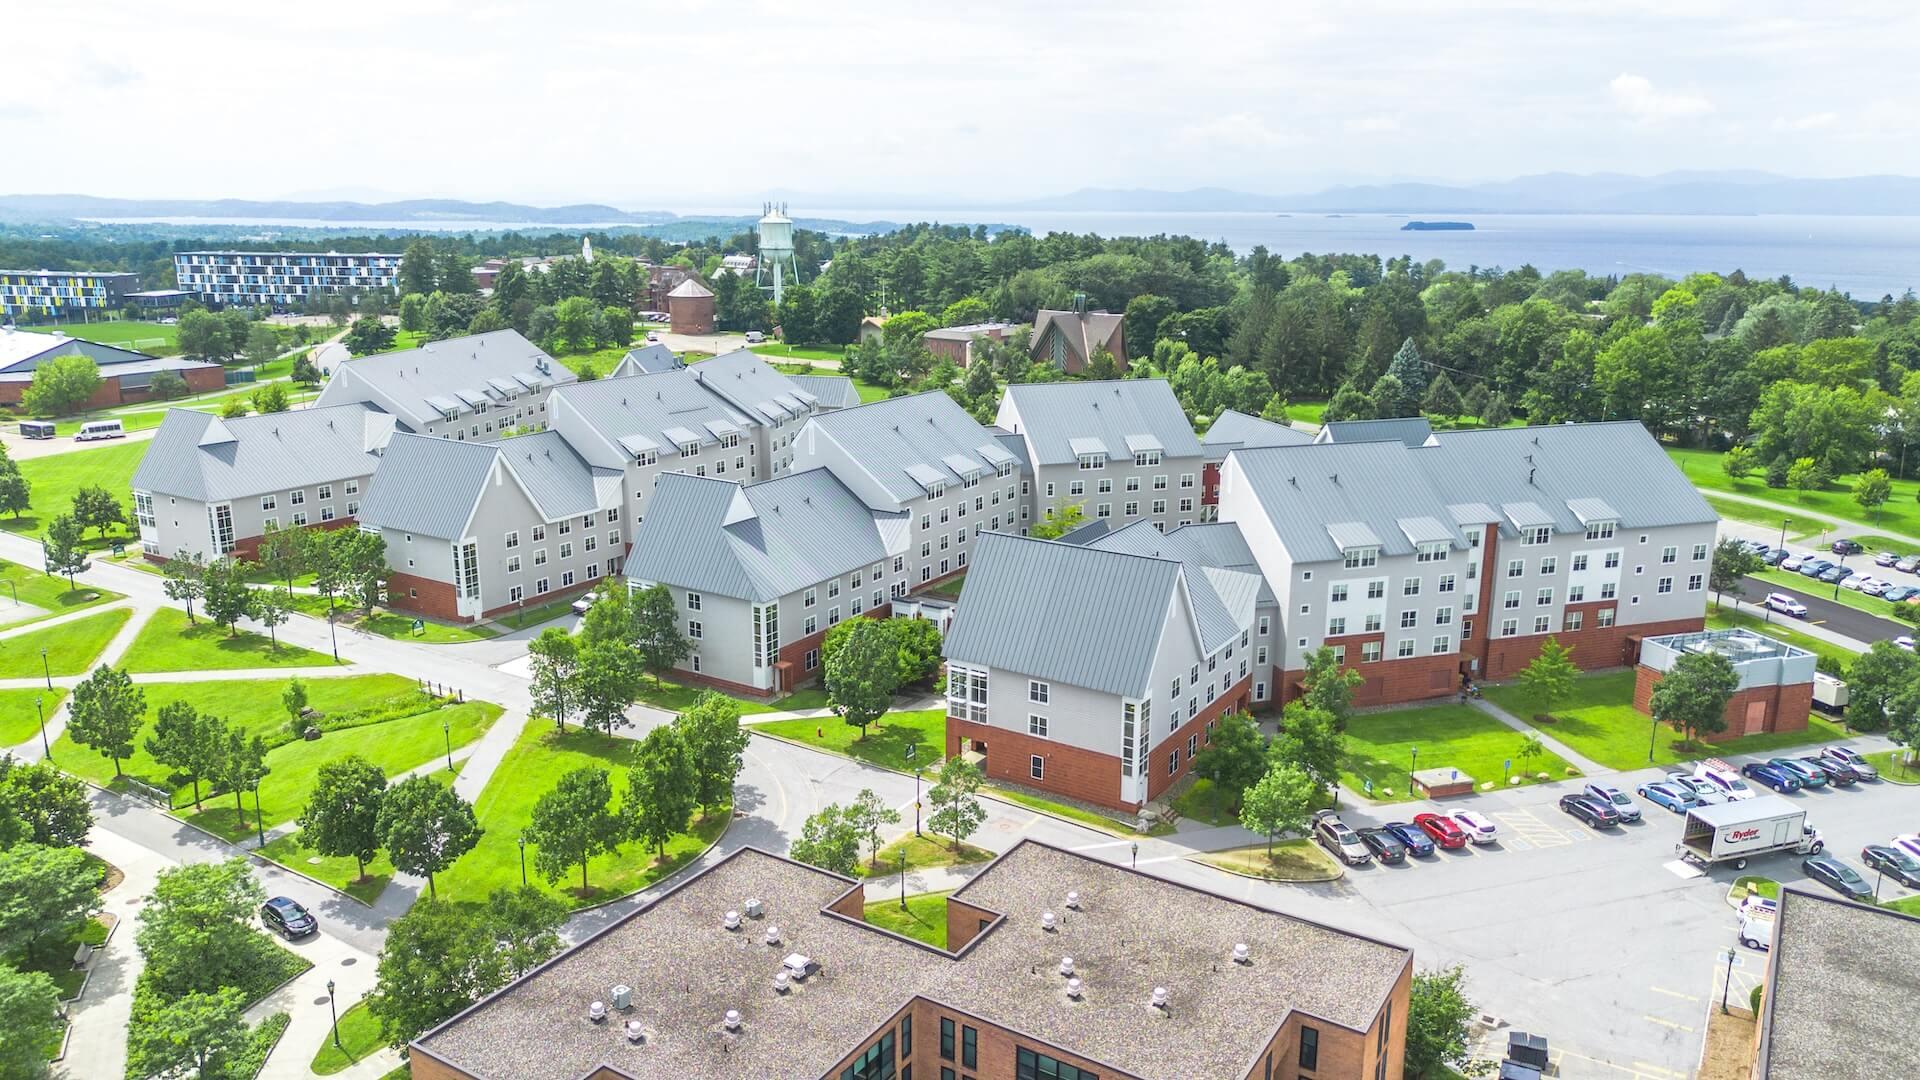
(1847, 526)
(1579, 761)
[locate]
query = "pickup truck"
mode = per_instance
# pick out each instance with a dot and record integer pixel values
(1737, 831)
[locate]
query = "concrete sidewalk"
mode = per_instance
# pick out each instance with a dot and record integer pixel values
(1573, 757)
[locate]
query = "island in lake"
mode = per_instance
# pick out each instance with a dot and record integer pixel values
(1437, 226)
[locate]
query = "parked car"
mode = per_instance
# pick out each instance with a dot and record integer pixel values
(1756, 926)
(1385, 846)
(1795, 561)
(1723, 777)
(285, 916)
(1904, 641)
(1614, 797)
(1847, 547)
(1813, 568)
(1781, 780)
(1837, 876)
(1786, 605)
(1809, 776)
(1885, 558)
(1898, 593)
(1704, 794)
(653, 335)
(1775, 557)
(1874, 586)
(1834, 575)
(1908, 564)
(1589, 810)
(585, 602)
(1411, 835)
(1851, 759)
(1837, 773)
(1340, 841)
(1893, 862)
(1676, 797)
(1442, 829)
(1478, 827)
(755, 337)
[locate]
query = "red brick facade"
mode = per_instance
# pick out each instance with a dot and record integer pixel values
(424, 596)
(690, 314)
(1752, 711)
(200, 380)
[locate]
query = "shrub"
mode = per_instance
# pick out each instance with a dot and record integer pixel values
(1753, 998)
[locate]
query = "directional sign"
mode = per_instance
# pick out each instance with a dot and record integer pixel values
(911, 748)
(419, 626)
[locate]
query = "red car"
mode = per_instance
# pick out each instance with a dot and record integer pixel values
(1442, 829)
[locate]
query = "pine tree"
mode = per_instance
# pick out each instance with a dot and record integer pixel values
(1442, 398)
(1410, 369)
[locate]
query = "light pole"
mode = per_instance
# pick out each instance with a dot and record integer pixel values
(1412, 767)
(1136, 854)
(1841, 578)
(916, 798)
(903, 879)
(446, 729)
(39, 705)
(44, 666)
(1726, 984)
(1653, 736)
(523, 860)
(336, 1016)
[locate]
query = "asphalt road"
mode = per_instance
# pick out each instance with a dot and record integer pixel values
(1852, 622)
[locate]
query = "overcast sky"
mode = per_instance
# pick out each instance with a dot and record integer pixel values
(697, 103)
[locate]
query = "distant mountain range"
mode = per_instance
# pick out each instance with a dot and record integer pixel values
(1733, 192)
(422, 211)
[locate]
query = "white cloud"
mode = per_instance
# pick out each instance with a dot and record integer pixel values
(1374, 124)
(1808, 122)
(1636, 94)
(1234, 131)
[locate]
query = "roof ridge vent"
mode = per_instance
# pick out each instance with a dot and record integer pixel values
(1335, 478)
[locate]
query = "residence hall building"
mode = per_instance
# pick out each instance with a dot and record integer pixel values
(921, 455)
(471, 389)
(682, 995)
(1840, 990)
(732, 417)
(280, 279)
(1122, 450)
(1094, 673)
(1068, 339)
(1459, 556)
(210, 487)
(126, 376)
(1232, 431)
(762, 571)
(474, 530)
(955, 343)
(50, 295)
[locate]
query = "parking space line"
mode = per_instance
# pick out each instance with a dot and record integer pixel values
(1668, 1023)
(1528, 828)
(1672, 993)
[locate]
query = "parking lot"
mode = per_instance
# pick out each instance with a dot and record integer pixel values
(1851, 621)
(1600, 939)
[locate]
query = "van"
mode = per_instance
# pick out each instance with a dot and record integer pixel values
(1724, 778)
(755, 337)
(101, 429)
(37, 429)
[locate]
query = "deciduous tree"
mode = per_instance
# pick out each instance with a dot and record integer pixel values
(16, 491)
(1233, 761)
(196, 929)
(1731, 564)
(228, 598)
(573, 822)
(867, 814)
(271, 609)
(243, 766)
(829, 841)
(1871, 489)
(526, 924)
(655, 630)
(29, 1020)
(1692, 696)
(64, 548)
(44, 891)
(1060, 522)
(1880, 682)
(717, 744)
(191, 1034)
(1282, 801)
(105, 714)
(343, 813)
(95, 507)
(1548, 678)
(662, 788)
(40, 804)
(61, 386)
(186, 576)
(1439, 1018)
(862, 676)
(188, 743)
(424, 826)
(554, 659)
(436, 961)
(608, 680)
(954, 800)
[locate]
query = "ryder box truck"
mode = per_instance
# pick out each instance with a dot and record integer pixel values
(1737, 831)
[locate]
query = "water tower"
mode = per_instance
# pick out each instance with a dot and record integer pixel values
(777, 263)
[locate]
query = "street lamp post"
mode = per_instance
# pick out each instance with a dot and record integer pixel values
(1727, 983)
(1653, 736)
(523, 860)
(1836, 581)
(331, 1011)
(40, 706)
(903, 879)
(916, 800)
(446, 729)
(1136, 854)
(1412, 767)
(259, 822)
(44, 666)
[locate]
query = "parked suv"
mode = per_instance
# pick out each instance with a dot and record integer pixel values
(1786, 605)
(285, 916)
(1589, 810)
(1614, 797)
(1847, 547)
(1340, 841)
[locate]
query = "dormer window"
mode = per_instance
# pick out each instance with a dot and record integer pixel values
(1431, 552)
(728, 442)
(1600, 530)
(1093, 461)
(1146, 458)
(646, 457)
(1356, 558)
(690, 449)
(1538, 534)
(937, 491)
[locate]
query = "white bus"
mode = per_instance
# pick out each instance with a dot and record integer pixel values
(101, 429)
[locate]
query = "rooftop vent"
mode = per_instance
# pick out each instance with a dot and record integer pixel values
(1073, 900)
(597, 1011)
(1159, 999)
(1073, 989)
(732, 1020)
(623, 996)
(1066, 965)
(1241, 955)
(773, 935)
(1046, 921)
(633, 1032)
(780, 981)
(731, 921)
(798, 967)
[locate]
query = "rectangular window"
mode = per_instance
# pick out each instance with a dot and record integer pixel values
(1443, 616)
(1403, 648)
(266, 502)
(1409, 619)
(326, 513)
(1442, 644)
(1576, 593)
(1036, 725)
(1579, 563)
(590, 543)
(1542, 597)
(1542, 623)
(1337, 594)
(1608, 589)
(1374, 621)
(1666, 585)
(513, 564)
(326, 492)
(1032, 1065)
(1516, 567)
(1509, 627)
(969, 1047)
(1693, 582)
(297, 497)
(1376, 589)
(1359, 557)
(1410, 587)
(1603, 617)
(1369, 651)
(1549, 564)
(1336, 627)
(513, 540)
(1699, 552)
(1038, 691)
(693, 601)
(693, 630)
(1669, 553)
(1446, 583)
(1600, 530)
(1511, 599)
(1309, 1048)
(1466, 629)
(1573, 620)
(1538, 535)
(946, 1039)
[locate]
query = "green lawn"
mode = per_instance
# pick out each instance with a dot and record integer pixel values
(1290, 860)
(1735, 510)
(55, 958)
(146, 337)
(1872, 605)
(678, 697)
(169, 643)
(70, 647)
(397, 625)
(1900, 514)
(1090, 818)
(19, 719)
(867, 391)
(922, 852)
(252, 704)
(924, 919)
(35, 587)
(339, 871)
(783, 351)
(1379, 748)
(1874, 543)
(950, 589)
(1202, 802)
(1781, 628)
(1601, 723)
(1893, 766)
(1307, 412)
(885, 742)
(534, 616)
(57, 477)
(505, 808)
(595, 364)
(359, 1033)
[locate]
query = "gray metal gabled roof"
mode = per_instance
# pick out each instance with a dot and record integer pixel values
(926, 475)
(428, 485)
(646, 361)
(759, 542)
(1352, 535)
(1231, 430)
(559, 481)
(747, 381)
(1104, 613)
(199, 456)
(1054, 417)
(994, 454)
(1086, 445)
(1304, 489)
(1592, 510)
(1472, 513)
(1223, 596)
(648, 405)
(963, 465)
(830, 391)
(1408, 430)
(1617, 463)
(1525, 514)
(680, 436)
(402, 382)
(888, 435)
(1424, 530)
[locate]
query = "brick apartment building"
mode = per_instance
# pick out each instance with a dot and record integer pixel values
(956, 343)
(763, 967)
